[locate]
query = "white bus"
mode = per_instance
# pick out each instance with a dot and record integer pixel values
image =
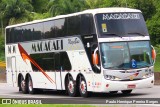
(98, 50)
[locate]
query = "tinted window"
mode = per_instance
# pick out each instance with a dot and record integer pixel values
(7, 35)
(17, 34)
(64, 61)
(37, 31)
(87, 24)
(27, 33)
(12, 35)
(44, 60)
(73, 27)
(49, 30)
(51, 61)
(123, 24)
(61, 27)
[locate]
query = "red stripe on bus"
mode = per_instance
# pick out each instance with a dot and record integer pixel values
(25, 56)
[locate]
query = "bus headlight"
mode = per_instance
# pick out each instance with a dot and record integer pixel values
(110, 77)
(147, 75)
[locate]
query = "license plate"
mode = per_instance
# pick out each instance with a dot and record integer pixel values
(131, 86)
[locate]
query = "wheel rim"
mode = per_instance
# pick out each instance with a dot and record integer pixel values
(83, 87)
(30, 85)
(71, 86)
(23, 85)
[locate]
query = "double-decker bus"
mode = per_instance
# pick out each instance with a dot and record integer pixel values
(97, 50)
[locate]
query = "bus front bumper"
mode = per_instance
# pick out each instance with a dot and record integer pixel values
(127, 85)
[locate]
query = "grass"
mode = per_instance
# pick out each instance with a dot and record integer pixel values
(47, 105)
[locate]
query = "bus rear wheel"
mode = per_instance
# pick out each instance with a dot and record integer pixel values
(31, 90)
(125, 92)
(71, 87)
(20, 82)
(23, 86)
(83, 87)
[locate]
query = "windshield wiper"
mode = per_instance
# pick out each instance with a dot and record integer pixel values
(139, 34)
(112, 34)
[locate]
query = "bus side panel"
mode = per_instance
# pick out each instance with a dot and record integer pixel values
(81, 65)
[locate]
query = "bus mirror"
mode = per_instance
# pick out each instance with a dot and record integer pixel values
(153, 54)
(95, 59)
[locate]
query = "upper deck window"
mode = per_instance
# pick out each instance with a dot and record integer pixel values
(121, 24)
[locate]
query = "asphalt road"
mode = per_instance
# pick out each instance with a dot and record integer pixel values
(59, 97)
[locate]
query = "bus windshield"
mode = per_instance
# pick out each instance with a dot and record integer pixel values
(126, 55)
(121, 24)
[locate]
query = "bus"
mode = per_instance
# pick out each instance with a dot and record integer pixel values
(102, 50)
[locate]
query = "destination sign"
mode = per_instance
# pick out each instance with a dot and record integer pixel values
(116, 16)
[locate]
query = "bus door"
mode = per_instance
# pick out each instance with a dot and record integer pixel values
(97, 77)
(14, 72)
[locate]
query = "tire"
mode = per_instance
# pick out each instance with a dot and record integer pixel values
(71, 87)
(19, 83)
(113, 92)
(83, 87)
(23, 86)
(31, 90)
(125, 92)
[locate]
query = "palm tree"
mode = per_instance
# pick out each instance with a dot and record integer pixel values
(58, 7)
(92, 4)
(39, 6)
(15, 11)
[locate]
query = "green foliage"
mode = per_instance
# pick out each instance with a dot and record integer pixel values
(154, 29)
(58, 7)
(91, 4)
(39, 6)
(15, 11)
(146, 6)
(2, 48)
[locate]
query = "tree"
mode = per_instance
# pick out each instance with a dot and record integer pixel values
(39, 6)
(153, 24)
(15, 11)
(58, 7)
(146, 6)
(92, 4)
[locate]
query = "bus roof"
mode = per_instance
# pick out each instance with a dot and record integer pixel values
(92, 11)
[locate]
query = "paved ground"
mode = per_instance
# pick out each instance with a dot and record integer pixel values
(96, 99)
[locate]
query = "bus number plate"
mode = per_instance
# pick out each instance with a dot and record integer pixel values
(131, 86)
